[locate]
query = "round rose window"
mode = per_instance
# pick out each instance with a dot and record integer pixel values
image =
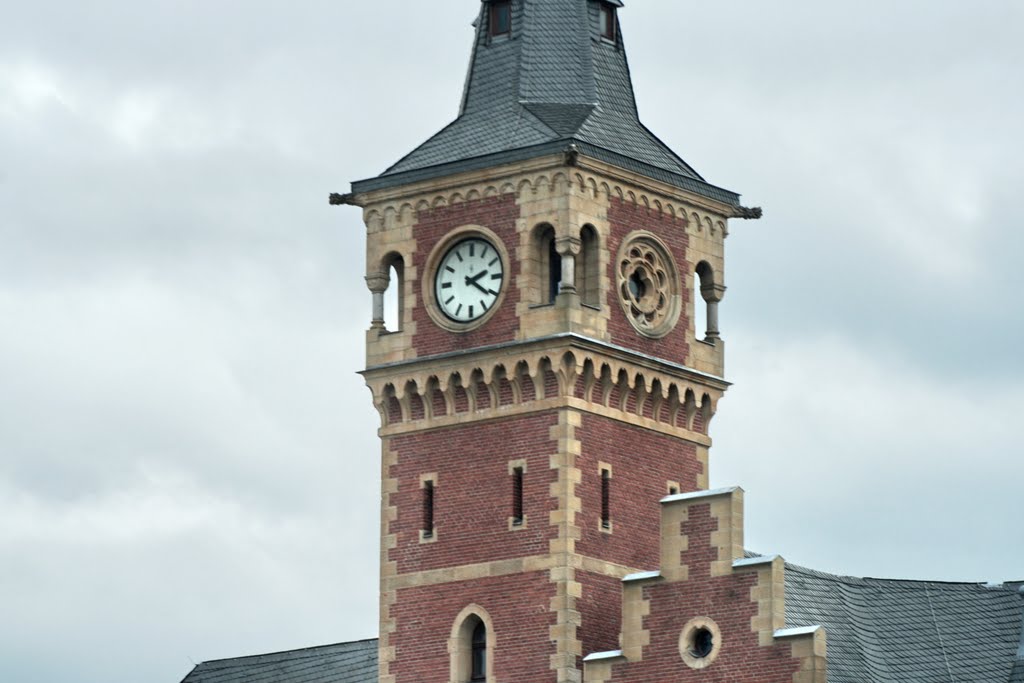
(648, 285)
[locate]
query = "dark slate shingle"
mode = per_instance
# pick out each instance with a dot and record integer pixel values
(354, 662)
(891, 631)
(551, 84)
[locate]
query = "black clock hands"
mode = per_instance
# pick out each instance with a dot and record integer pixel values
(475, 281)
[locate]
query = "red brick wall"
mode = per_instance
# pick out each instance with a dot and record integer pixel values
(643, 462)
(496, 213)
(725, 600)
(600, 608)
(624, 218)
(473, 497)
(518, 605)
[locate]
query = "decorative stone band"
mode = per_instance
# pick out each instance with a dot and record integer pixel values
(496, 383)
(382, 210)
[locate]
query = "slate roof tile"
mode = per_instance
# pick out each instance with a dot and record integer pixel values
(354, 662)
(891, 631)
(553, 82)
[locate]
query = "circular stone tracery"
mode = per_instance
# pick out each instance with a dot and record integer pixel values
(648, 286)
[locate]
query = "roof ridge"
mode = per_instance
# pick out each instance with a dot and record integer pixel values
(311, 650)
(869, 580)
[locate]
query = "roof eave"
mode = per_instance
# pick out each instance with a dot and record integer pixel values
(693, 185)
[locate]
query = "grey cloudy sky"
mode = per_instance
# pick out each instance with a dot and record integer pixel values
(188, 461)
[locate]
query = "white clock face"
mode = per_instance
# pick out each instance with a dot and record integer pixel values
(468, 280)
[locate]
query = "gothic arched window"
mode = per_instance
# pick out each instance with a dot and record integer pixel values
(472, 647)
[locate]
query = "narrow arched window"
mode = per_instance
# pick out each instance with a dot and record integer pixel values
(472, 646)
(478, 662)
(394, 296)
(554, 270)
(548, 264)
(700, 309)
(588, 267)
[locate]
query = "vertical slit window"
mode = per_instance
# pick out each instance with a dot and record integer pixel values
(606, 491)
(517, 496)
(428, 509)
(501, 18)
(478, 667)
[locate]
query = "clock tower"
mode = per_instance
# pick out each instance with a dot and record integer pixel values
(549, 378)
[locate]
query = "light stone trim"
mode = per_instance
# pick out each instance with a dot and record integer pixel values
(633, 636)
(686, 638)
(770, 595)
(568, 646)
(388, 567)
(673, 400)
(812, 651)
(564, 196)
(386, 211)
(809, 646)
(496, 568)
(460, 646)
(728, 539)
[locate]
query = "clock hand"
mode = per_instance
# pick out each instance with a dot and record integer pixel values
(475, 281)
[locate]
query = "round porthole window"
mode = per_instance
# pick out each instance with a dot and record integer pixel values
(700, 642)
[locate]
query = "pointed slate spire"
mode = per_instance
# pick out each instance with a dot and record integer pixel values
(553, 83)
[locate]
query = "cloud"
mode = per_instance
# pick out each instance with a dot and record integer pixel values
(842, 447)
(189, 461)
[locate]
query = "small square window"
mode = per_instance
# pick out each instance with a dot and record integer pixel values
(501, 18)
(608, 22)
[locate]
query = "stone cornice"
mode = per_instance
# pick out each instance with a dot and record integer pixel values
(588, 176)
(544, 374)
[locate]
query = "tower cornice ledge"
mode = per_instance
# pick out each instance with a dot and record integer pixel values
(569, 159)
(559, 371)
(572, 341)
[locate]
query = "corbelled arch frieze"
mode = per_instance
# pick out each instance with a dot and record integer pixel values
(436, 397)
(385, 216)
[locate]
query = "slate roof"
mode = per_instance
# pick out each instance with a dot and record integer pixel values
(354, 662)
(552, 84)
(878, 630)
(892, 631)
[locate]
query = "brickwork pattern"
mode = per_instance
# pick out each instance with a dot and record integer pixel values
(518, 606)
(473, 495)
(626, 218)
(643, 462)
(600, 609)
(499, 214)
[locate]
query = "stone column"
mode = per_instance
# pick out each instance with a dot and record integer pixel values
(712, 294)
(568, 248)
(378, 283)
